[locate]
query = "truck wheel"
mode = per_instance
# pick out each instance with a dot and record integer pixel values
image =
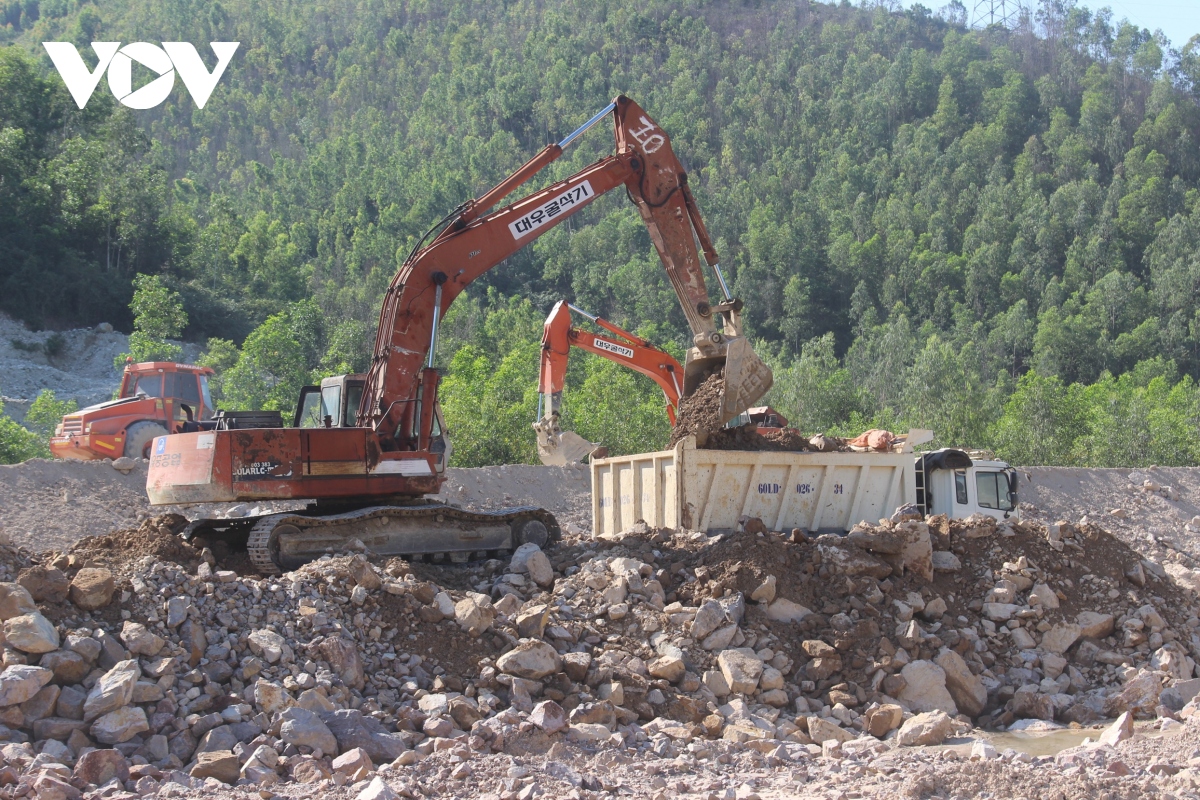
(139, 436)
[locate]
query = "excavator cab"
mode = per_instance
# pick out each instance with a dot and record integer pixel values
(333, 404)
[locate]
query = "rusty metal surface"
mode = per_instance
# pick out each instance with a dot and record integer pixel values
(275, 464)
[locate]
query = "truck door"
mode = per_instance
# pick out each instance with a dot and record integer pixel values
(993, 493)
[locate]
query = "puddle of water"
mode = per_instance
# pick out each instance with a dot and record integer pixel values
(1043, 744)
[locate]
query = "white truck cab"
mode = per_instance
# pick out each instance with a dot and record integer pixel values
(951, 482)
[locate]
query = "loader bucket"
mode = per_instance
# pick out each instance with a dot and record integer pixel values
(747, 378)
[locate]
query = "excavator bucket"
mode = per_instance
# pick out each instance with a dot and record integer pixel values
(556, 447)
(747, 378)
(565, 448)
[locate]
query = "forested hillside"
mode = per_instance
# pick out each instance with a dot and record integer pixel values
(993, 234)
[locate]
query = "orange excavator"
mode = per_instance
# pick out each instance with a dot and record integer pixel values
(557, 447)
(367, 481)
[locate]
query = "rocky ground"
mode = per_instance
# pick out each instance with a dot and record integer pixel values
(916, 657)
(76, 364)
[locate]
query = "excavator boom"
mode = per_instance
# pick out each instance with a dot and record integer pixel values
(397, 452)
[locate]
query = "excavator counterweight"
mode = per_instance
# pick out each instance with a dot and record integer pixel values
(368, 472)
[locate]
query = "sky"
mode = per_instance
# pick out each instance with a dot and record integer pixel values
(1178, 19)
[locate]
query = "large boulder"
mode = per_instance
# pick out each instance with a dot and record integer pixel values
(529, 559)
(304, 728)
(98, 767)
(783, 610)
(15, 601)
(1059, 638)
(532, 660)
(549, 716)
(220, 764)
(353, 730)
(120, 725)
(929, 728)
(21, 682)
(268, 645)
(846, 560)
(741, 668)
(69, 667)
(709, 617)
(967, 689)
(916, 556)
(139, 640)
(45, 584)
(1139, 695)
(31, 633)
(823, 730)
(1095, 624)
(343, 659)
(474, 613)
(925, 688)
(92, 588)
(113, 690)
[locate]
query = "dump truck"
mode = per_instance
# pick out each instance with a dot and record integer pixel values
(156, 398)
(717, 490)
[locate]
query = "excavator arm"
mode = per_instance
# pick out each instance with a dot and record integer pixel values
(555, 446)
(400, 395)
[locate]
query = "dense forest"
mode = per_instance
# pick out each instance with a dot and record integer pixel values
(994, 234)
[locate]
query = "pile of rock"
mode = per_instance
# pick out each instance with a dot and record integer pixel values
(899, 634)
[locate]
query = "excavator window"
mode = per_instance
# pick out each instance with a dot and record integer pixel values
(353, 398)
(331, 403)
(310, 409)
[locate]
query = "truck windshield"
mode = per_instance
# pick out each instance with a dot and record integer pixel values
(205, 397)
(149, 385)
(992, 490)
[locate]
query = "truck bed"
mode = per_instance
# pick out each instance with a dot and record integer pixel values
(710, 490)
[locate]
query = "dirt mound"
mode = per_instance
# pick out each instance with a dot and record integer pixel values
(157, 537)
(700, 412)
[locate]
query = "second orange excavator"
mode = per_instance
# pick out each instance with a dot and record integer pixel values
(556, 446)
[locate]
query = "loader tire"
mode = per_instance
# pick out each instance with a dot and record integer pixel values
(140, 436)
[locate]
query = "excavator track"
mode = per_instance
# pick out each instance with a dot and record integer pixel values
(285, 541)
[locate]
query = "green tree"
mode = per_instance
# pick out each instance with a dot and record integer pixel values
(158, 316)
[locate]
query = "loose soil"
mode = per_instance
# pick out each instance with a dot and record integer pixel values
(746, 437)
(700, 412)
